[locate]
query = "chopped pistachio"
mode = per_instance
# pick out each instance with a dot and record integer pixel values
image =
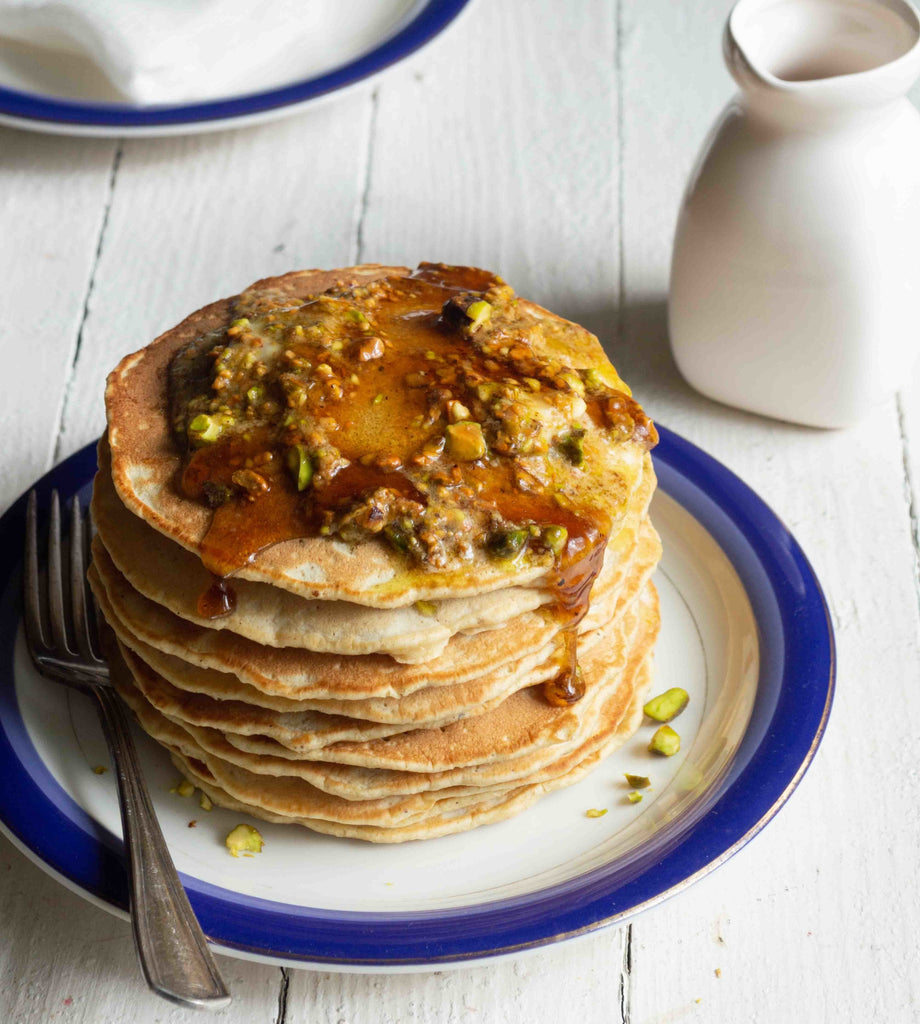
(507, 543)
(634, 797)
(204, 429)
(555, 538)
(665, 741)
(638, 781)
(572, 382)
(255, 394)
(572, 447)
(478, 311)
(426, 607)
(397, 536)
(244, 839)
(357, 316)
(205, 801)
(596, 812)
(593, 379)
(457, 411)
(378, 398)
(183, 787)
(301, 466)
(667, 705)
(100, 769)
(465, 441)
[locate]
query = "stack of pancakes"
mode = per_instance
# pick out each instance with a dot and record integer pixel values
(340, 689)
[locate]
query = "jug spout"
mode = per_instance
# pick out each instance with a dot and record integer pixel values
(822, 56)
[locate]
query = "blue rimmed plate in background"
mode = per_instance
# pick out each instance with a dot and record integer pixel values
(744, 629)
(68, 95)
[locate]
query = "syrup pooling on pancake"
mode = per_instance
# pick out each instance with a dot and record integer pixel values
(432, 412)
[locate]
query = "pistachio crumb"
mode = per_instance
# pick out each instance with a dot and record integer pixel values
(301, 466)
(667, 705)
(244, 839)
(555, 538)
(204, 429)
(595, 812)
(465, 441)
(478, 312)
(665, 741)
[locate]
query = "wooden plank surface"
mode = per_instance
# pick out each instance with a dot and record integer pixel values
(554, 148)
(54, 199)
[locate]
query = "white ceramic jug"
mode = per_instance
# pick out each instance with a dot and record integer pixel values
(795, 282)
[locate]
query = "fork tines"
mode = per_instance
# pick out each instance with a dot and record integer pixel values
(60, 616)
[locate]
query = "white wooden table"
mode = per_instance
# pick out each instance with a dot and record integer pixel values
(550, 142)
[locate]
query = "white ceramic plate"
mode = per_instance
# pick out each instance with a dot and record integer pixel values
(69, 95)
(744, 630)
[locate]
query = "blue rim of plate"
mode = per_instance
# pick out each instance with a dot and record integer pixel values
(432, 19)
(792, 704)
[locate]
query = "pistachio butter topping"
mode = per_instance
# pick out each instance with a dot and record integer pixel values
(436, 412)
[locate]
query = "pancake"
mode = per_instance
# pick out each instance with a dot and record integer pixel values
(487, 811)
(310, 729)
(173, 577)
(432, 703)
(294, 796)
(524, 721)
(145, 461)
(374, 550)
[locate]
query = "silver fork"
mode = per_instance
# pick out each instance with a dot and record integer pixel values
(62, 639)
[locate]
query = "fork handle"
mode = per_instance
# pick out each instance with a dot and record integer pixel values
(171, 947)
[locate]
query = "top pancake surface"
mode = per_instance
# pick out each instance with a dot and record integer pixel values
(147, 461)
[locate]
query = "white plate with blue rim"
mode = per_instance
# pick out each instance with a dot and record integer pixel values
(745, 630)
(68, 95)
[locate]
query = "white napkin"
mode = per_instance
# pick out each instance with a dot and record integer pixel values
(167, 51)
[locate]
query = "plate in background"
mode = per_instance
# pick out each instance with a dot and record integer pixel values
(744, 629)
(70, 96)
